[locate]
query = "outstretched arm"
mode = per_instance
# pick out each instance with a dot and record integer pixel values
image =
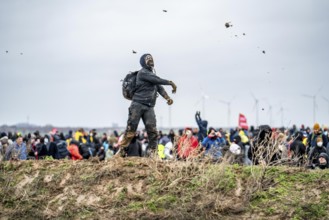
(152, 78)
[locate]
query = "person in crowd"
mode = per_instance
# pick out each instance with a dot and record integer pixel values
(51, 146)
(109, 153)
(302, 128)
(37, 134)
(41, 148)
(292, 131)
(17, 151)
(213, 144)
(104, 138)
(297, 149)
(32, 151)
(92, 137)
(313, 157)
(62, 136)
(308, 131)
(113, 141)
(195, 132)
(235, 154)
(73, 148)
(167, 146)
(187, 145)
(243, 135)
(63, 153)
(202, 124)
(101, 153)
(69, 135)
(134, 149)
(312, 138)
(80, 136)
(323, 161)
(325, 132)
(87, 150)
(172, 136)
(5, 142)
(144, 139)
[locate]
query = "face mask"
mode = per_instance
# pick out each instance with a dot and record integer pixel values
(46, 140)
(319, 144)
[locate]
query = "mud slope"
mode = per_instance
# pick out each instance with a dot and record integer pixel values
(142, 188)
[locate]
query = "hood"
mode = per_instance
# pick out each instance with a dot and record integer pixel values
(143, 63)
(324, 155)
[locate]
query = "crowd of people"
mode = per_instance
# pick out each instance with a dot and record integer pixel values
(300, 146)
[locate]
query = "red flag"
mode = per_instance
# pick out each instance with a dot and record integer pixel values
(243, 122)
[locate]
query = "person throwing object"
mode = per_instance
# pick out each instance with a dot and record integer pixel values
(148, 86)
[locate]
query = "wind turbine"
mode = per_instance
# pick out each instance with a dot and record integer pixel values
(203, 102)
(169, 116)
(256, 106)
(327, 100)
(281, 111)
(313, 97)
(270, 112)
(228, 103)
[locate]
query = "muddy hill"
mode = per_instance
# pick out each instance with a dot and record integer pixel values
(143, 188)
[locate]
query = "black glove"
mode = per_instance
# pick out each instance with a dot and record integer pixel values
(174, 87)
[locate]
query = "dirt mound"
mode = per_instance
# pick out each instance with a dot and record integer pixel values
(142, 188)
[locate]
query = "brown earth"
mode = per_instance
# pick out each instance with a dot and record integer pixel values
(143, 188)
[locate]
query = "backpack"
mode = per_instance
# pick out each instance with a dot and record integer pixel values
(129, 85)
(62, 150)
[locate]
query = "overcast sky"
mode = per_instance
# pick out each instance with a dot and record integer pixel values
(66, 58)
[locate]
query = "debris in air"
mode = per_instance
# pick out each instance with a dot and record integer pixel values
(228, 24)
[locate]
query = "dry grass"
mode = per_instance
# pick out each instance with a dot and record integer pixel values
(147, 188)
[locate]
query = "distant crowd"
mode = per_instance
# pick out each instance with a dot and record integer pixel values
(301, 146)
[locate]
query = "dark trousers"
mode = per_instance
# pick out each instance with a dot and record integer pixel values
(139, 111)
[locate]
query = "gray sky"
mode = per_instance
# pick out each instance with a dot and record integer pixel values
(76, 51)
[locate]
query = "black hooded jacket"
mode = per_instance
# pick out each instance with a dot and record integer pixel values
(148, 85)
(297, 146)
(314, 154)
